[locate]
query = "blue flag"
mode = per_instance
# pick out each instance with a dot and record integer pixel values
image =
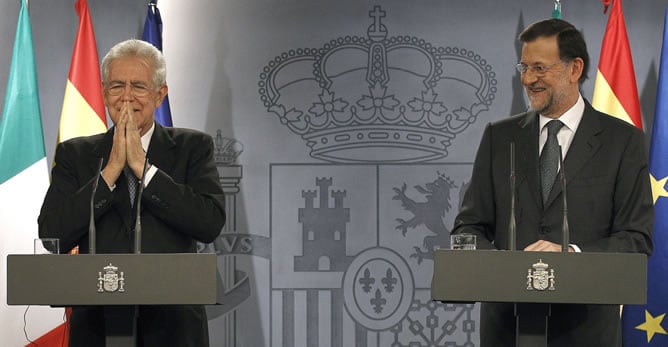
(646, 325)
(153, 34)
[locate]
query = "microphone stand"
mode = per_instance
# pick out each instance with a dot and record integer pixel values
(92, 233)
(564, 227)
(512, 227)
(138, 207)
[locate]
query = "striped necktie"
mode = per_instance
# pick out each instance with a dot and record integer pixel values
(549, 158)
(132, 184)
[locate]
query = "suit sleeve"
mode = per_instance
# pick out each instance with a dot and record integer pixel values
(633, 212)
(477, 213)
(65, 210)
(196, 206)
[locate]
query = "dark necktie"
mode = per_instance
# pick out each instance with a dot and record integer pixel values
(132, 184)
(549, 157)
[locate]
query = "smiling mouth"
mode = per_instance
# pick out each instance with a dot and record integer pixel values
(535, 89)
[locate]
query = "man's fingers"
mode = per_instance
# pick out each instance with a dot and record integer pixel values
(543, 246)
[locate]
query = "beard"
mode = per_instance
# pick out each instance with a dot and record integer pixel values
(544, 106)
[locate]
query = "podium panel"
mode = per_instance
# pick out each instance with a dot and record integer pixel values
(539, 277)
(111, 279)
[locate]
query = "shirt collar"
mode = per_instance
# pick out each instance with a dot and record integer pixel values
(570, 118)
(146, 139)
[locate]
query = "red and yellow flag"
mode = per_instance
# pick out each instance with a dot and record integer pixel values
(83, 109)
(615, 90)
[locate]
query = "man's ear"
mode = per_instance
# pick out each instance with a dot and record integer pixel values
(162, 92)
(577, 69)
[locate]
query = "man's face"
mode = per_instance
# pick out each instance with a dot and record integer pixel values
(547, 80)
(130, 81)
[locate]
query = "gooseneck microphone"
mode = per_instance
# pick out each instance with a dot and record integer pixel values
(92, 233)
(138, 207)
(512, 227)
(565, 233)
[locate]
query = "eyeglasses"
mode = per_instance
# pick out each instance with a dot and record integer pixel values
(538, 69)
(136, 88)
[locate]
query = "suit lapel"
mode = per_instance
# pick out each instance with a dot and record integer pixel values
(527, 154)
(585, 144)
(161, 151)
(103, 148)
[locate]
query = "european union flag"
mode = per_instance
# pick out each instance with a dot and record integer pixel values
(153, 34)
(646, 325)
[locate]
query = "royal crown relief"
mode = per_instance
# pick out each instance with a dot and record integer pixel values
(377, 98)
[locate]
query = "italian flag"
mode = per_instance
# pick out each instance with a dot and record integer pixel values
(615, 90)
(24, 179)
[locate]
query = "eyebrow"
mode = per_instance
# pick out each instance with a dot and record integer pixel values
(124, 82)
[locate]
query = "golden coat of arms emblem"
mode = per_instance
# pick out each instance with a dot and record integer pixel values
(540, 277)
(111, 280)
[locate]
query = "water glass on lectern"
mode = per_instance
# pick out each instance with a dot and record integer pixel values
(462, 241)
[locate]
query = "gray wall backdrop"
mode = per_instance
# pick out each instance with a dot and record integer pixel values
(346, 131)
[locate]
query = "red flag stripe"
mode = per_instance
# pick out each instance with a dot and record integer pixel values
(84, 69)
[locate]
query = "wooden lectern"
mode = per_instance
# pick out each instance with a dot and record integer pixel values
(534, 280)
(122, 281)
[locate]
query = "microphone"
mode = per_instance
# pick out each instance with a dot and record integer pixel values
(512, 227)
(138, 207)
(564, 227)
(92, 233)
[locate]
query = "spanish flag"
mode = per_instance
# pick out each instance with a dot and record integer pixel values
(615, 90)
(83, 108)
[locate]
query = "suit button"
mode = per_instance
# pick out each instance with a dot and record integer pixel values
(544, 230)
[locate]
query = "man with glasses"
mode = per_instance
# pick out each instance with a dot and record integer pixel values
(610, 205)
(182, 202)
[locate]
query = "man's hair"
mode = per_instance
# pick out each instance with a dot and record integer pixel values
(140, 49)
(569, 39)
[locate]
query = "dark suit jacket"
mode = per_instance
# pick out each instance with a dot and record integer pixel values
(610, 209)
(182, 204)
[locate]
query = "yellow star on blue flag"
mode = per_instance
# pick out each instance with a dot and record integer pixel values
(658, 187)
(652, 325)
